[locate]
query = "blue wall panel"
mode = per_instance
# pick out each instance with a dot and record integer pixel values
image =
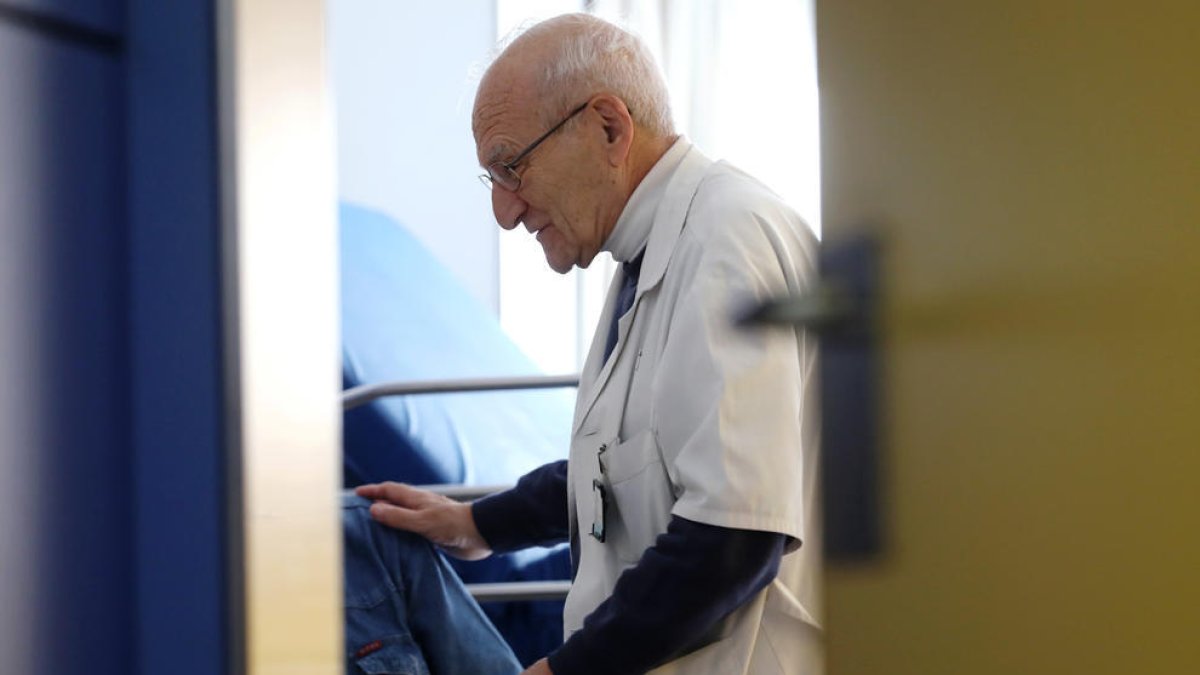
(96, 15)
(61, 114)
(180, 470)
(114, 489)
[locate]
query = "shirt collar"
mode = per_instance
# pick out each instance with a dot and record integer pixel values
(632, 231)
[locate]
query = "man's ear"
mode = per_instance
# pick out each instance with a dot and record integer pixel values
(618, 127)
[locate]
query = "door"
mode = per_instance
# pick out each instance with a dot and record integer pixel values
(280, 209)
(1033, 169)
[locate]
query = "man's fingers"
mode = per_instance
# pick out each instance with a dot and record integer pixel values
(442, 524)
(396, 493)
(399, 506)
(396, 517)
(372, 491)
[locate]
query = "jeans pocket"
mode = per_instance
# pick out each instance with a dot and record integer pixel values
(395, 655)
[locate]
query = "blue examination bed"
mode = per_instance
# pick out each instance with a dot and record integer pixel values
(406, 318)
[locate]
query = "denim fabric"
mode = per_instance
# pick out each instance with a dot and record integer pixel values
(407, 612)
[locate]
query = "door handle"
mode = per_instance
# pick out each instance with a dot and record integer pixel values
(842, 310)
(828, 305)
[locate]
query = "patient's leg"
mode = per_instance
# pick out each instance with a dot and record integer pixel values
(406, 610)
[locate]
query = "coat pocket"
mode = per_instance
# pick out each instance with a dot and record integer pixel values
(641, 494)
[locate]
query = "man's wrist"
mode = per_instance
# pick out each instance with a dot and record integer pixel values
(542, 667)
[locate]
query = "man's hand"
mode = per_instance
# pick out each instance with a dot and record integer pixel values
(540, 668)
(441, 520)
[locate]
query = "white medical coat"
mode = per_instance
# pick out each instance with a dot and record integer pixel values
(700, 418)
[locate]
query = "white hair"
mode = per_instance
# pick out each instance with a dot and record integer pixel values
(594, 56)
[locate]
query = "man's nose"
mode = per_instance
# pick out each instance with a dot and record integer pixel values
(507, 207)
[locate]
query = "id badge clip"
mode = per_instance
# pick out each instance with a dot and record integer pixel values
(599, 500)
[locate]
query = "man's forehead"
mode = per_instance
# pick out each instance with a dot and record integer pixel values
(499, 117)
(492, 127)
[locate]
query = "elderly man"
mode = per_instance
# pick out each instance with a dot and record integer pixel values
(689, 497)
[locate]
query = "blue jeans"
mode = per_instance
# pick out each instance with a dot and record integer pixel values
(407, 612)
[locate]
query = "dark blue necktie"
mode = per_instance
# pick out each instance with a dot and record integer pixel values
(632, 270)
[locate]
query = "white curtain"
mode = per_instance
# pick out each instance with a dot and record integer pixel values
(743, 82)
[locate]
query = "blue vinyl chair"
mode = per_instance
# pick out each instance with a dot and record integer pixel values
(406, 318)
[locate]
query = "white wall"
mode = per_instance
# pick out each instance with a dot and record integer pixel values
(404, 86)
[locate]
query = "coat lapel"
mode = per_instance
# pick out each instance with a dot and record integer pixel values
(668, 223)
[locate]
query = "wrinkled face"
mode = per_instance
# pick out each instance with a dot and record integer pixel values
(562, 197)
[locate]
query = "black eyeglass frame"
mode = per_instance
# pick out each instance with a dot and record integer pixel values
(505, 175)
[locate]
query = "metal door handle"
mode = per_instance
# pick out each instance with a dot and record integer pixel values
(842, 311)
(828, 305)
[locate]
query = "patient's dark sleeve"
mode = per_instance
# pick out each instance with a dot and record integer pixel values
(694, 576)
(534, 513)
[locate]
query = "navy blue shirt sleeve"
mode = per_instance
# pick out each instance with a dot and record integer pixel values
(534, 513)
(673, 601)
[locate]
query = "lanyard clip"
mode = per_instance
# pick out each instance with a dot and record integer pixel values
(599, 498)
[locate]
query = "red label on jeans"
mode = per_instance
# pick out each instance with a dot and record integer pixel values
(369, 648)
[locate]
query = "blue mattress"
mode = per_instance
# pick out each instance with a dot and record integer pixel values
(405, 317)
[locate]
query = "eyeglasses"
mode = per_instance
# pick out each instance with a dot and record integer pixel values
(505, 174)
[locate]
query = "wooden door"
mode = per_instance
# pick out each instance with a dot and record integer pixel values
(1034, 170)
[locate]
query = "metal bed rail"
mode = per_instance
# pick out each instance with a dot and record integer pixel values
(360, 395)
(492, 592)
(519, 591)
(464, 493)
